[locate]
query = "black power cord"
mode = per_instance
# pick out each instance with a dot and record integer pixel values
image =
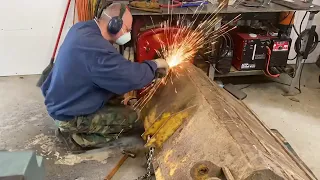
(310, 47)
(297, 44)
(297, 48)
(305, 14)
(226, 46)
(292, 58)
(299, 34)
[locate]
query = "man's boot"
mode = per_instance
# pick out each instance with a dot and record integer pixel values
(72, 146)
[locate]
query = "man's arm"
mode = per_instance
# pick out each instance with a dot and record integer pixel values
(116, 74)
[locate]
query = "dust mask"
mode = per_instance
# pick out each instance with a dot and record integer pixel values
(126, 37)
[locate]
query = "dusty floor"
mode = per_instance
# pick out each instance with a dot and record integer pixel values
(24, 124)
(298, 122)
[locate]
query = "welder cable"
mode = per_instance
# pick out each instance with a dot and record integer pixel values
(224, 48)
(227, 44)
(302, 21)
(268, 63)
(297, 44)
(231, 40)
(293, 58)
(295, 30)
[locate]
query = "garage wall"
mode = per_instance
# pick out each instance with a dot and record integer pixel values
(28, 31)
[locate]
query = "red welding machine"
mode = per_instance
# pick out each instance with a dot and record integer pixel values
(250, 51)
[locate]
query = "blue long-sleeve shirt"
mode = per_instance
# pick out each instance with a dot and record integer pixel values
(88, 71)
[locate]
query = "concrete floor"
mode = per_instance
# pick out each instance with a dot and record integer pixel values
(25, 124)
(298, 122)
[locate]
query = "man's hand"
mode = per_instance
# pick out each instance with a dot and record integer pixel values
(162, 67)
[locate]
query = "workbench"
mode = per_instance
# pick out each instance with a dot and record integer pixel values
(257, 13)
(209, 8)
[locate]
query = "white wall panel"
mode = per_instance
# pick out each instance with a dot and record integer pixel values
(28, 31)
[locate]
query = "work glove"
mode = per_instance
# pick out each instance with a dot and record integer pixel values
(162, 67)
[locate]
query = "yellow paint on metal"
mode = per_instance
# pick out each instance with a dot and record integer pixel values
(152, 125)
(167, 129)
(173, 169)
(166, 157)
(185, 159)
(172, 165)
(158, 174)
(149, 120)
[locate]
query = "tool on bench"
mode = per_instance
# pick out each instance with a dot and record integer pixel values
(47, 70)
(172, 4)
(119, 164)
(299, 5)
(146, 9)
(193, 3)
(145, 6)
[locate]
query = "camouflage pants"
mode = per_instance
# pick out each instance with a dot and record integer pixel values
(101, 127)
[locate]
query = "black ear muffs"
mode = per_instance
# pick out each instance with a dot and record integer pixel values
(115, 23)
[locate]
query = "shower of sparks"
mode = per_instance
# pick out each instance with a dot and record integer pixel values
(185, 43)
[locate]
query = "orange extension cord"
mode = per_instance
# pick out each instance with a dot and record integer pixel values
(85, 9)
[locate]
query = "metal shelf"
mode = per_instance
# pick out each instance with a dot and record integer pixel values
(235, 72)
